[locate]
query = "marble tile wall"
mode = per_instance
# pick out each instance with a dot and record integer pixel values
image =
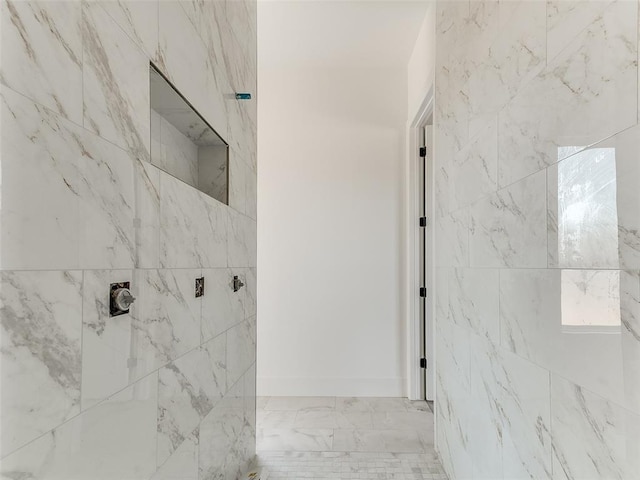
(537, 161)
(166, 391)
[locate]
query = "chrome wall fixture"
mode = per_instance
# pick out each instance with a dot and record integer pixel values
(120, 299)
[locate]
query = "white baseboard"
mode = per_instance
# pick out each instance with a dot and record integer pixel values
(331, 387)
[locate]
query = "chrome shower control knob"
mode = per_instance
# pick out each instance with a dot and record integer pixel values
(123, 299)
(120, 298)
(237, 283)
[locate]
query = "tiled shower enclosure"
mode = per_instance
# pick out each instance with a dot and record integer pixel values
(167, 390)
(538, 237)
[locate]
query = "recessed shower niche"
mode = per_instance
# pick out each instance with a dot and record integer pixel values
(183, 144)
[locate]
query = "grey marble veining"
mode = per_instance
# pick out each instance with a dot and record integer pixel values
(42, 53)
(87, 226)
(193, 227)
(592, 438)
(115, 83)
(219, 433)
(188, 389)
(41, 320)
(133, 17)
(508, 229)
(183, 463)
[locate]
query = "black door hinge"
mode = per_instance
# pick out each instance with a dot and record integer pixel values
(423, 292)
(423, 221)
(423, 363)
(423, 152)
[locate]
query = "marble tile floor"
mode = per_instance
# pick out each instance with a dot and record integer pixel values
(339, 438)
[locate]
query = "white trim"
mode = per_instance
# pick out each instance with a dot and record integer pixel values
(414, 372)
(331, 387)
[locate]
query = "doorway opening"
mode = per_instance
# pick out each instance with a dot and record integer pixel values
(421, 270)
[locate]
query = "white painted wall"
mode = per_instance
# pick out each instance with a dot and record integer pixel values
(331, 149)
(421, 67)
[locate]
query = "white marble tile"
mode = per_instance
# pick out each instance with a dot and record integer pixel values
(241, 240)
(238, 172)
(370, 404)
(193, 227)
(484, 431)
(473, 301)
(241, 350)
(183, 57)
(168, 311)
(222, 307)
(299, 403)
(348, 465)
(567, 18)
(452, 239)
(219, 432)
(593, 202)
(42, 53)
(251, 189)
(115, 439)
(310, 440)
(402, 420)
(277, 418)
(250, 278)
(41, 326)
(474, 169)
(231, 43)
(592, 438)
(418, 406)
(526, 419)
(108, 365)
(147, 215)
(188, 389)
(580, 324)
(45, 156)
(243, 124)
(510, 424)
(183, 463)
(106, 230)
(376, 441)
(453, 405)
(250, 407)
(508, 229)
(586, 94)
(330, 419)
(451, 444)
(507, 50)
(261, 402)
(139, 20)
(36, 149)
(115, 83)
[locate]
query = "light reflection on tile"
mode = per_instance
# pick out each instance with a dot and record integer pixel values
(115, 439)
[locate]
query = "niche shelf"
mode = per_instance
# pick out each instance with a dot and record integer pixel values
(183, 144)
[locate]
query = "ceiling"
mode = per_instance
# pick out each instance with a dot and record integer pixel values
(338, 33)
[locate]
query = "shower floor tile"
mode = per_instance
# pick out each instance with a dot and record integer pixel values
(346, 438)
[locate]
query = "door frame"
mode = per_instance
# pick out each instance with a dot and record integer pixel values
(416, 378)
